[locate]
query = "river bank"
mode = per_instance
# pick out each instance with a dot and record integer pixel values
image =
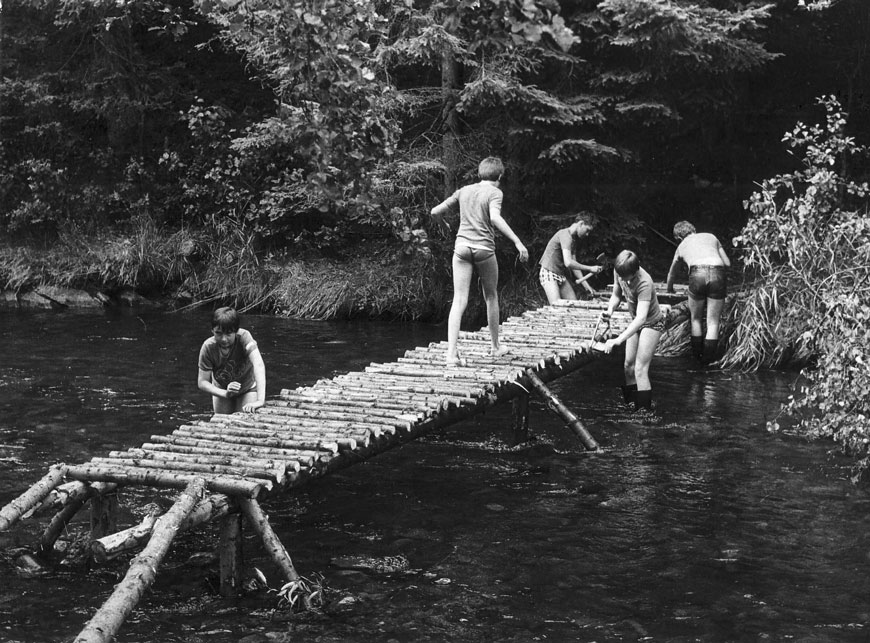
(184, 270)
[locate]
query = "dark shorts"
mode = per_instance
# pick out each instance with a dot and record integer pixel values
(658, 325)
(708, 282)
(473, 255)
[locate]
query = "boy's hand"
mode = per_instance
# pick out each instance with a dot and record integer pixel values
(252, 407)
(609, 345)
(233, 389)
(524, 253)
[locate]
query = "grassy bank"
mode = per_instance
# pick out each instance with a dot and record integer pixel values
(189, 269)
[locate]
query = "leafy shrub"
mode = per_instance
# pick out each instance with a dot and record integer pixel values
(808, 238)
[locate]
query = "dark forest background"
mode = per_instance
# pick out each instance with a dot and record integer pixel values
(285, 155)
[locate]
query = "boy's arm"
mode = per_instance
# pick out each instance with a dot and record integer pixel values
(615, 297)
(502, 226)
(204, 383)
(724, 256)
(260, 378)
(672, 273)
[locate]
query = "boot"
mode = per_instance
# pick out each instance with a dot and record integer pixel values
(629, 394)
(697, 344)
(711, 351)
(643, 401)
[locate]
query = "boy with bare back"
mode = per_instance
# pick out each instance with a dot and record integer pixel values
(706, 260)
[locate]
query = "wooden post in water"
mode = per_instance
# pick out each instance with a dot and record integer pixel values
(521, 418)
(260, 523)
(555, 404)
(143, 570)
(231, 555)
(104, 515)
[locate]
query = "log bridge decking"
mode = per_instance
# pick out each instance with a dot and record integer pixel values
(228, 464)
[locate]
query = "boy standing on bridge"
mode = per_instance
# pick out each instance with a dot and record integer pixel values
(633, 283)
(559, 265)
(231, 368)
(708, 285)
(479, 217)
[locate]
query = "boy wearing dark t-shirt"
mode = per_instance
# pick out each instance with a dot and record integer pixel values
(231, 368)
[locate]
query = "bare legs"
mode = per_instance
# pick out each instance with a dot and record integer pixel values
(462, 273)
(556, 291)
(639, 349)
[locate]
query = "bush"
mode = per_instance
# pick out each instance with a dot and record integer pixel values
(808, 239)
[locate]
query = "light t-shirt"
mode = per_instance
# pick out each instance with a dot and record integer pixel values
(475, 202)
(236, 366)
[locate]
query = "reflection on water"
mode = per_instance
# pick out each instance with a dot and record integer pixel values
(695, 525)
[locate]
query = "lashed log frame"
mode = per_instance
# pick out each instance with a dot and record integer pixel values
(143, 570)
(11, 513)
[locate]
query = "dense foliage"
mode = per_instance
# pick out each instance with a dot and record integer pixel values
(808, 238)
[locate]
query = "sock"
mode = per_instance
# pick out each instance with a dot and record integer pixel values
(697, 347)
(644, 400)
(629, 393)
(711, 350)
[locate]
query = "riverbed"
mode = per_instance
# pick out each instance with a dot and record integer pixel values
(692, 524)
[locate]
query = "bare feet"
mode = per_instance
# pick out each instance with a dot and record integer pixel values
(456, 361)
(500, 351)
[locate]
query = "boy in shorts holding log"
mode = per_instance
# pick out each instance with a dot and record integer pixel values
(231, 368)
(633, 283)
(705, 257)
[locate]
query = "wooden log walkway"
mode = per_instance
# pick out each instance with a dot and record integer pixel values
(305, 433)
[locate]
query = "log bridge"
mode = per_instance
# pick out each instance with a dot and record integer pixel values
(226, 466)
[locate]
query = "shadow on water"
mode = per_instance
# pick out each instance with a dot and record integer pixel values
(692, 523)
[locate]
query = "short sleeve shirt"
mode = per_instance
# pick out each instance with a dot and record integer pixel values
(235, 366)
(552, 258)
(475, 203)
(641, 288)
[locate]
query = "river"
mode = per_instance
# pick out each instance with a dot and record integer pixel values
(694, 524)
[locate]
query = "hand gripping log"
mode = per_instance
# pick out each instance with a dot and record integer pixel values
(555, 404)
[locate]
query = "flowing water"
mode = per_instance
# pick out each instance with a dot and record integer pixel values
(691, 525)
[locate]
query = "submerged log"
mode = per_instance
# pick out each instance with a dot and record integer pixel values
(11, 513)
(211, 508)
(59, 522)
(556, 405)
(260, 523)
(143, 570)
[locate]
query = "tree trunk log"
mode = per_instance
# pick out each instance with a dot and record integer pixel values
(555, 405)
(211, 508)
(231, 555)
(260, 523)
(231, 486)
(11, 513)
(45, 549)
(109, 618)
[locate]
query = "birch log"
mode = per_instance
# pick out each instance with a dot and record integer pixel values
(111, 546)
(556, 405)
(11, 513)
(260, 523)
(109, 618)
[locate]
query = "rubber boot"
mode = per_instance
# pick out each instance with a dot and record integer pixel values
(644, 401)
(629, 394)
(697, 347)
(711, 351)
